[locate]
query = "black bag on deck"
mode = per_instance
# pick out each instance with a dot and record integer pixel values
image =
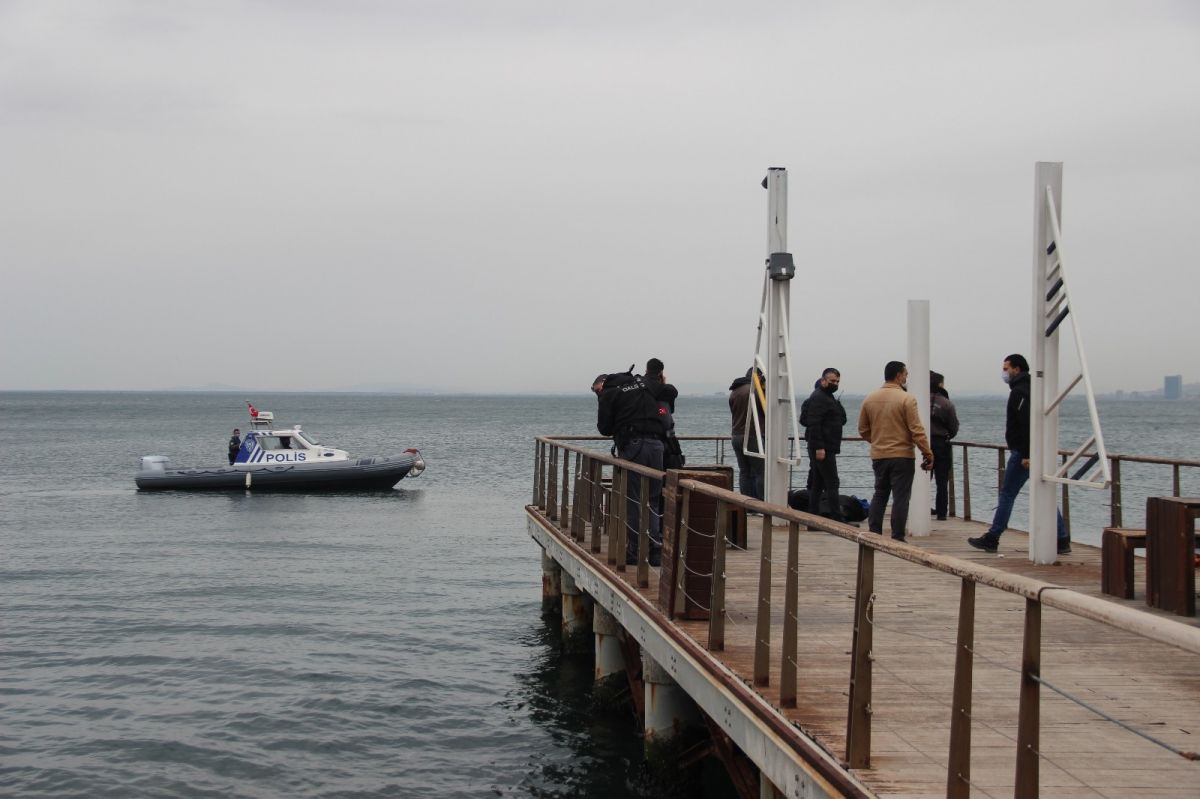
(852, 507)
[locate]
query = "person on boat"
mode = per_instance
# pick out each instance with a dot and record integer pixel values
(750, 469)
(824, 417)
(629, 412)
(943, 426)
(890, 422)
(235, 444)
(1015, 372)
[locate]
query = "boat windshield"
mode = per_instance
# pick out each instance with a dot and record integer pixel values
(309, 437)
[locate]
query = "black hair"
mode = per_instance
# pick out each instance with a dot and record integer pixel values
(829, 370)
(892, 369)
(1018, 361)
(654, 367)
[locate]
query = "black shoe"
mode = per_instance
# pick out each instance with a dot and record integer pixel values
(899, 538)
(932, 512)
(942, 518)
(984, 542)
(1064, 549)
(630, 561)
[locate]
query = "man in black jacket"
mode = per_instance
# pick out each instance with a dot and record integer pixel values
(630, 413)
(824, 418)
(1016, 436)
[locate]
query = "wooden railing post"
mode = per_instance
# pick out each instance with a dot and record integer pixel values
(1000, 466)
(576, 524)
(958, 778)
(716, 617)
(611, 520)
(537, 473)
(966, 484)
(598, 517)
(564, 522)
(1115, 492)
(622, 537)
(552, 488)
(681, 556)
(762, 633)
(1175, 480)
(1066, 505)
(858, 722)
(643, 560)
(1028, 718)
(791, 600)
(950, 493)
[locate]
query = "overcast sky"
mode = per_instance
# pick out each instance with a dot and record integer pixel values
(508, 196)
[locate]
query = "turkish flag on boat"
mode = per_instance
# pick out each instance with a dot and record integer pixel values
(253, 410)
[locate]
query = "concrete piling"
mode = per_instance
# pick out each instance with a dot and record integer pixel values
(670, 712)
(551, 585)
(576, 616)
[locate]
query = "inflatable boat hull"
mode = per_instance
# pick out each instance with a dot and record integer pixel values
(357, 474)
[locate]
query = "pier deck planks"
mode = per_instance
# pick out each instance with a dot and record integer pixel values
(1150, 686)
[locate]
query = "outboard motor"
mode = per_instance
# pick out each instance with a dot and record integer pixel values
(418, 462)
(155, 463)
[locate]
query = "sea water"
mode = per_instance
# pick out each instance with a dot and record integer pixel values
(384, 643)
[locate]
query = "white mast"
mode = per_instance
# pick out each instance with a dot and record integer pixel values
(1051, 307)
(772, 355)
(918, 386)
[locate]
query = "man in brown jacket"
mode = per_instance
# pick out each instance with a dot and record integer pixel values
(889, 420)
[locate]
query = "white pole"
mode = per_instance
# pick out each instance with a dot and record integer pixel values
(779, 403)
(918, 386)
(1043, 364)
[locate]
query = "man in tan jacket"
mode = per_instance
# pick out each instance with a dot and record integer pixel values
(889, 420)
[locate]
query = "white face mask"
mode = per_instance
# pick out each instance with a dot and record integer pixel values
(1006, 376)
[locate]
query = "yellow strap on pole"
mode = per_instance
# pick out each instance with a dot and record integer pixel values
(758, 387)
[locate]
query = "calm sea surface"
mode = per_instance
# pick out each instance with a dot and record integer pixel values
(375, 644)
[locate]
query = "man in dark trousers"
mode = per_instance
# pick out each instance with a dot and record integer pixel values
(750, 469)
(943, 426)
(824, 418)
(1015, 372)
(890, 421)
(629, 412)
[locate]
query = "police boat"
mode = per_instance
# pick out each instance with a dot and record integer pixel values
(283, 459)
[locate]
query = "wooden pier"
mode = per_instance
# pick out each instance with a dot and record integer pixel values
(845, 664)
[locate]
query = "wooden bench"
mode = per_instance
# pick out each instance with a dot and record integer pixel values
(1116, 560)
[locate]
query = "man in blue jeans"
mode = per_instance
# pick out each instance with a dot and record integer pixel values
(1016, 436)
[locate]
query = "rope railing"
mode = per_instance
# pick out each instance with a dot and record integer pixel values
(602, 482)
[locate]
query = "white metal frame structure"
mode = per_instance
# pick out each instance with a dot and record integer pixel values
(919, 523)
(1051, 307)
(771, 352)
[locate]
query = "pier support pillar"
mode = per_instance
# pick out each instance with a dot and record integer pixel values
(669, 710)
(609, 660)
(576, 617)
(611, 681)
(551, 585)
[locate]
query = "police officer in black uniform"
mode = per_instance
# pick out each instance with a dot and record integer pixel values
(235, 444)
(630, 413)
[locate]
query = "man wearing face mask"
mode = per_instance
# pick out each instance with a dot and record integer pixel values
(1015, 372)
(824, 418)
(890, 421)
